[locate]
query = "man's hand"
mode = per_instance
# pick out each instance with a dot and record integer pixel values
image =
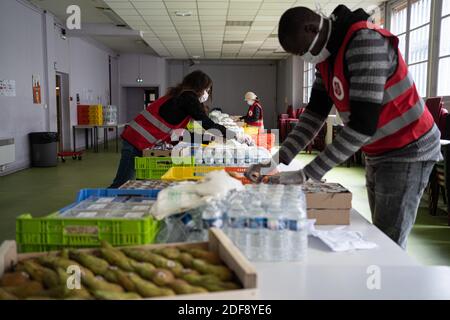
(256, 172)
(289, 177)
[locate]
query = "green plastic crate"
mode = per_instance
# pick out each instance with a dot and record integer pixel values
(53, 232)
(155, 167)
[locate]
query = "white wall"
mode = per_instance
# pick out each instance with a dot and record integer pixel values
(31, 44)
(21, 55)
(231, 80)
(153, 71)
(290, 83)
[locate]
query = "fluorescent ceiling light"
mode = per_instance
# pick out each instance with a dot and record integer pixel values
(183, 13)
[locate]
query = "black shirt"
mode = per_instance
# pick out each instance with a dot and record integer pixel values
(176, 109)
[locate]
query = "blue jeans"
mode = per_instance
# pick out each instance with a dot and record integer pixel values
(126, 170)
(395, 190)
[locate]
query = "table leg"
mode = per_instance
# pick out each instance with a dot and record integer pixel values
(105, 138)
(117, 138)
(445, 153)
(96, 139)
(86, 138)
(74, 132)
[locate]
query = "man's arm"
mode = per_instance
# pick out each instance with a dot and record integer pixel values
(309, 124)
(369, 60)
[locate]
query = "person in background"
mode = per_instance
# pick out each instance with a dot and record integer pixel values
(254, 116)
(158, 121)
(360, 70)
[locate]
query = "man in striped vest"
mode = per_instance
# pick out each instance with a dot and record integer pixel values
(360, 71)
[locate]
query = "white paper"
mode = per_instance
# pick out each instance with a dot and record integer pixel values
(134, 215)
(87, 214)
(140, 208)
(104, 200)
(97, 206)
(340, 240)
(8, 88)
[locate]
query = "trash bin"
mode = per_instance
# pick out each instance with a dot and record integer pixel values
(43, 149)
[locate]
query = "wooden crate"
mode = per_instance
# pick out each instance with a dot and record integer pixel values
(218, 242)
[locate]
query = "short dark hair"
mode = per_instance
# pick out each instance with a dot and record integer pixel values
(293, 29)
(197, 81)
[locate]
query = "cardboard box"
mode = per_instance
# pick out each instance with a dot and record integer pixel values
(327, 196)
(329, 216)
(328, 203)
(218, 242)
(156, 153)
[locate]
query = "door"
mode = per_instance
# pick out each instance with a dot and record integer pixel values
(138, 98)
(63, 111)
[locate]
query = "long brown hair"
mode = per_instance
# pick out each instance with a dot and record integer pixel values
(197, 81)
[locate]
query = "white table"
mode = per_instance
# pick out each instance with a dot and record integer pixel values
(343, 275)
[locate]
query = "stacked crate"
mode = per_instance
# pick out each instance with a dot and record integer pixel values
(110, 115)
(83, 114)
(96, 115)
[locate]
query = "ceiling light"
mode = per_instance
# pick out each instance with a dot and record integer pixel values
(181, 13)
(233, 42)
(233, 23)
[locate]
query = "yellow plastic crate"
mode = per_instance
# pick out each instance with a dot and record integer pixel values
(251, 130)
(188, 173)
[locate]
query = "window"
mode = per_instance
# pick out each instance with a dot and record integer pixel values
(308, 79)
(443, 83)
(410, 21)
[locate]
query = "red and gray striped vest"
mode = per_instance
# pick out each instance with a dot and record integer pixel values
(403, 117)
(260, 121)
(149, 129)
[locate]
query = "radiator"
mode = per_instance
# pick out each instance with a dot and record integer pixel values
(7, 151)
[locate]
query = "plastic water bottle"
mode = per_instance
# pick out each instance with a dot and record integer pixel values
(235, 222)
(240, 156)
(252, 155)
(229, 157)
(218, 156)
(296, 214)
(277, 236)
(208, 156)
(212, 217)
(257, 229)
(198, 156)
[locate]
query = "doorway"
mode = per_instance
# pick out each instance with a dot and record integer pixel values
(63, 111)
(137, 98)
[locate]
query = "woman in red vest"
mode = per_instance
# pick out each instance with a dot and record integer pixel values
(361, 71)
(254, 116)
(157, 122)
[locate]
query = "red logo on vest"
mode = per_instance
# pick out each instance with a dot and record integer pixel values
(338, 89)
(250, 113)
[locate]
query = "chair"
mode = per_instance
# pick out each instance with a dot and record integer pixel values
(438, 178)
(434, 105)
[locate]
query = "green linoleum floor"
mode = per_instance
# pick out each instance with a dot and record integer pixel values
(40, 191)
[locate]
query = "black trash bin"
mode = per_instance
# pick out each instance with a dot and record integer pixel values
(43, 149)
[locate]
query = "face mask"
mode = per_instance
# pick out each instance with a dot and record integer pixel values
(250, 102)
(204, 97)
(324, 53)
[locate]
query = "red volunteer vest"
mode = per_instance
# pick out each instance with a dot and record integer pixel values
(148, 128)
(403, 118)
(260, 121)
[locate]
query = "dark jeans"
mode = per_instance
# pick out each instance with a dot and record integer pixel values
(395, 190)
(126, 170)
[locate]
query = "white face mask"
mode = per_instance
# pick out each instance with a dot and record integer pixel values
(204, 97)
(250, 102)
(324, 53)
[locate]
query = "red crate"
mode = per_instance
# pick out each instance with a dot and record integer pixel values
(265, 140)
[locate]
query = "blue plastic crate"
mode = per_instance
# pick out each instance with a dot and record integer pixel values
(83, 194)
